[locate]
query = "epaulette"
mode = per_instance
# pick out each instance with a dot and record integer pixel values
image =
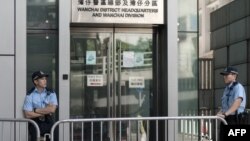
(31, 90)
(49, 91)
(234, 84)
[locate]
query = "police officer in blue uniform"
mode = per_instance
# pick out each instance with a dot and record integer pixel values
(233, 100)
(40, 104)
(234, 96)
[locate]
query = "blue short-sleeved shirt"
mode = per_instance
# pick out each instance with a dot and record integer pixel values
(39, 100)
(230, 94)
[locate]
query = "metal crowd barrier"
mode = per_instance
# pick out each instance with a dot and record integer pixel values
(16, 129)
(186, 128)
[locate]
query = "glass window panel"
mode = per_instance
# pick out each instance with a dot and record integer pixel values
(42, 14)
(188, 76)
(187, 17)
(42, 50)
(88, 101)
(136, 100)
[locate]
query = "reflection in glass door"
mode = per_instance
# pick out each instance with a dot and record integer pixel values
(111, 75)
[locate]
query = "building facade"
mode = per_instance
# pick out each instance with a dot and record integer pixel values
(205, 9)
(230, 43)
(111, 67)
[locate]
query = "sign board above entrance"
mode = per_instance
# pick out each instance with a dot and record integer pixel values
(117, 11)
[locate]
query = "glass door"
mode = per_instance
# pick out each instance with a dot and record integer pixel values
(89, 87)
(133, 69)
(111, 75)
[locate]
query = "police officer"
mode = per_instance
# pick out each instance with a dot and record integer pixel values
(39, 105)
(234, 98)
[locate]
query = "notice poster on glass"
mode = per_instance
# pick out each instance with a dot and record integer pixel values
(139, 59)
(94, 80)
(128, 59)
(136, 82)
(90, 57)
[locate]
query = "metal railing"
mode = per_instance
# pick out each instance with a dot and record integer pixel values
(135, 129)
(206, 74)
(16, 129)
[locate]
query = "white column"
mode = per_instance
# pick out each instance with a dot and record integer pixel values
(20, 56)
(20, 64)
(172, 11)
(64, 63)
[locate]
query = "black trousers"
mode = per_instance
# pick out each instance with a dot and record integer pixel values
(231, 120)
(33, 135)
(45, 127)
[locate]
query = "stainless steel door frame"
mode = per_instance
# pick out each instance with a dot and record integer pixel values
(117, 87)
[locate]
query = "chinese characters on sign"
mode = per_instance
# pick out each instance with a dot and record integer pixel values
(119, 2)
(136, 82)
(94, 80)
(117, 11)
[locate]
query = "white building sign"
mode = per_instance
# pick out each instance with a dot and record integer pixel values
(94, 80)
(117, 11)
(136, 82)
